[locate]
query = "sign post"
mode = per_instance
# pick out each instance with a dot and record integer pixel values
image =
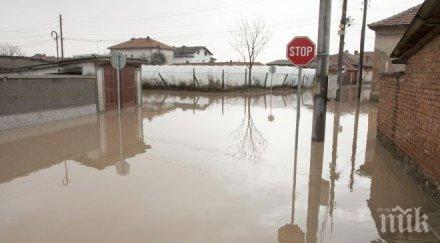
(300, 51)
(272, 70)
(118, 62)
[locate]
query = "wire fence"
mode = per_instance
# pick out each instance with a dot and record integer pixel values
(223, 75)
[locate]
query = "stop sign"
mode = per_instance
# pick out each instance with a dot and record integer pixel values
(301, 51)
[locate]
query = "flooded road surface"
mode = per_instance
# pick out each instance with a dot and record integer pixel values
(206, 168)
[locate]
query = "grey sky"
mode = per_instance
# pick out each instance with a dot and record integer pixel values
(28, 23)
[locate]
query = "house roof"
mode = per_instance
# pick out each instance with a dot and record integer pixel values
(347, 62)
(12, 62)
(350, 61)
(185, 51)
(353, 59)
(141, 43)
(285, 62)
(93, 58)
(401, 19)
(230, 63)
(280, 62)
(424, 27)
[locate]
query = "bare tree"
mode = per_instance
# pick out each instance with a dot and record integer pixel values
(7, 49)
(250, 38)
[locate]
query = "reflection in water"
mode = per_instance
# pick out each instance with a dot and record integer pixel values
(191, 188)
(247, 141)
(354, 145)
(292, 233)
(315, 182)
(98, 142)
(66, 179)
(334, 175)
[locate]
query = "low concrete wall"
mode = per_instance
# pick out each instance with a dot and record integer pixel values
(27, 100)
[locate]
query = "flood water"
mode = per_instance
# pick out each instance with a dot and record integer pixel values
(196, 167)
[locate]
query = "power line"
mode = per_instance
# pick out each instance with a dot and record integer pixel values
(165, 14)
(27, 28)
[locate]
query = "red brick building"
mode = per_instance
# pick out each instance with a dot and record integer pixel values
(409, 104)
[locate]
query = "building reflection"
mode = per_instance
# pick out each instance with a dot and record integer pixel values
(93, 141)
(392, 187)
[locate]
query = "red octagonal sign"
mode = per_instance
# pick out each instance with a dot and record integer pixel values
(301, 51)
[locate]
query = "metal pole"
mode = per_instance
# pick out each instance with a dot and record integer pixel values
(361, 55)
(271, 83)
(295, 165)
(322, 70)
(54, 34)
(341, 48)
(61, 37)
(119, 85)
(298, 105)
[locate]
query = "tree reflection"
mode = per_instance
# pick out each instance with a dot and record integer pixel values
(247, 141)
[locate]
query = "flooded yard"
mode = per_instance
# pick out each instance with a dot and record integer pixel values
(199, 167)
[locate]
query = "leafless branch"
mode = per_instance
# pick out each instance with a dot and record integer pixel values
(250, 37)
(7, 49)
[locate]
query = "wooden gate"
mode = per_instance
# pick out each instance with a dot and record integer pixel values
(128, 87)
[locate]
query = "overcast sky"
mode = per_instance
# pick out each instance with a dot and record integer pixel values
(92, 25)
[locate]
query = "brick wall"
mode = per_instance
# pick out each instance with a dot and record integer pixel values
(409, 111)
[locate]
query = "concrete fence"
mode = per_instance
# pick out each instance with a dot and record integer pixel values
(27, 100)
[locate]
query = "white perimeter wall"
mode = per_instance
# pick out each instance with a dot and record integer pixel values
(234, 75)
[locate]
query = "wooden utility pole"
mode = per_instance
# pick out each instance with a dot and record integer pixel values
(361, 55)
(322, 69)
(341, 48)
(61, 37)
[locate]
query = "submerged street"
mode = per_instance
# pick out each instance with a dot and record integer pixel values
(206, 167)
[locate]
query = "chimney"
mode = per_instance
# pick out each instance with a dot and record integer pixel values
(356, 53)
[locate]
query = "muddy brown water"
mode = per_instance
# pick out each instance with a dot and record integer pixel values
(195, 167)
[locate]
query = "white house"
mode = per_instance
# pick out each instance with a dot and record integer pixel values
(144, 48)
(192, 54)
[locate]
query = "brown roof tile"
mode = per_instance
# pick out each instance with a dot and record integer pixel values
(403, 18)
(141, 43)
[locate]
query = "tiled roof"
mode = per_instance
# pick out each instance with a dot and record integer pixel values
(420, 32)
(188, 50)
(285, 62)
(403, 18)
(353, 59)
(141, 43)
(281, 62)
(230, 63)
